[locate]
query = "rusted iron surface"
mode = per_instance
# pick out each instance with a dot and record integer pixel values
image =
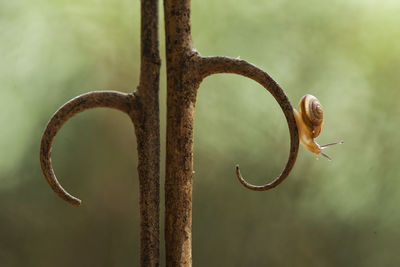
(143, 108)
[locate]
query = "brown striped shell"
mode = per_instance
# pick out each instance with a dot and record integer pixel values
(312, 114)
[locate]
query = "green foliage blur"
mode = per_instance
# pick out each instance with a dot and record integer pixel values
(339, 213)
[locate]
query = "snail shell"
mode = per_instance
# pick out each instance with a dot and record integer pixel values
(310, 121)
(312, 114)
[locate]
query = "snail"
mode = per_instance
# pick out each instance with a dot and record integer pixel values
(310, 121)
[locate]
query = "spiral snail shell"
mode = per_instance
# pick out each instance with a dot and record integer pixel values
(310, 121)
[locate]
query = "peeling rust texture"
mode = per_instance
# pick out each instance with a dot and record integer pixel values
(182, 86)
(147, 129)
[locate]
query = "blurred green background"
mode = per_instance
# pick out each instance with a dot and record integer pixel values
(339, 213)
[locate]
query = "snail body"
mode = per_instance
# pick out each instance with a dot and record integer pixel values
(310, 121)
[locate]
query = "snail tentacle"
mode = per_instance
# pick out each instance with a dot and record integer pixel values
(331, 144)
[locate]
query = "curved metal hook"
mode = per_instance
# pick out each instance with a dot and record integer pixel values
(110, 99)
(213, 65)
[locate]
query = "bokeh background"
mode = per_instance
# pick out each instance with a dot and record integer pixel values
(339, 213)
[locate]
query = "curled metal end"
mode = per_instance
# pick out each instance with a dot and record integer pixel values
(265, 187)
(47, 168)
(78, 104)
(213, 65)
(294, 147)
